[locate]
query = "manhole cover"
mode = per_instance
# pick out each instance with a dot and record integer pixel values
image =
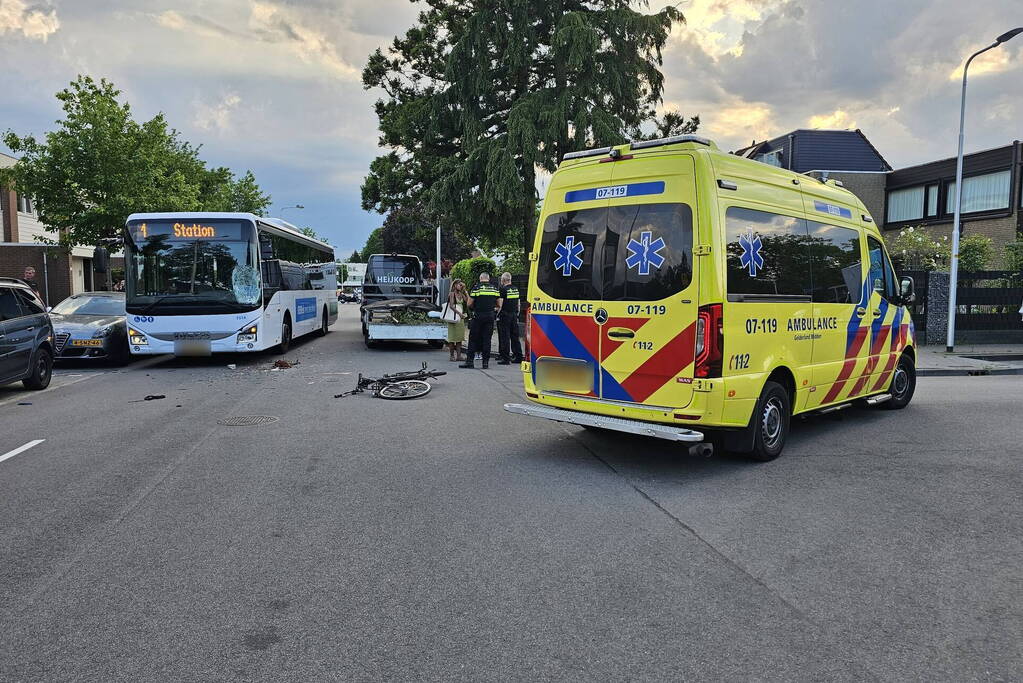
(247, 421)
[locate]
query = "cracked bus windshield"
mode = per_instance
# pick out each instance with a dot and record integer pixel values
(192, 264)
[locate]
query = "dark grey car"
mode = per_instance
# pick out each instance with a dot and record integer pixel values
(26, 337)
(91, 326)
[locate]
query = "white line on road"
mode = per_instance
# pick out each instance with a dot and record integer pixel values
(21, 449)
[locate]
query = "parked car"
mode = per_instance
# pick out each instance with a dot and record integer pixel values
(26, 336)
(91, 326)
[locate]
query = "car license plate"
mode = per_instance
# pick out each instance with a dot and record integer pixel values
(86, 342)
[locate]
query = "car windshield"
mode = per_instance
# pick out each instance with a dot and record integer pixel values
(192, 262)
(90, 305)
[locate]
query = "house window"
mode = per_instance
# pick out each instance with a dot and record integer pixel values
(24, 204)
(932, 200)
(906, 204)
(986, 192)
(770, 158)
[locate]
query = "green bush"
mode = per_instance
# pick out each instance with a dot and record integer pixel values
(515, 264)
(468, 270)
(1013, 256)
(916, 250)
(975, 252)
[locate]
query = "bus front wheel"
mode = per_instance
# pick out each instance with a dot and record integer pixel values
(285, 335)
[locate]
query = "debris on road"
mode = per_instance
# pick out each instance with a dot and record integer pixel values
(150, 397)
(282, 364)
(231, 366)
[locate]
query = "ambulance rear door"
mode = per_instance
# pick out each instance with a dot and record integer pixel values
(647, 320)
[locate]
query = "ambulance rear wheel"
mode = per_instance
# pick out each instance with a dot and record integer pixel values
(771, 422)
(903, 384)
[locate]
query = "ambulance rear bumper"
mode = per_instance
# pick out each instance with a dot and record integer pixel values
(617, 424)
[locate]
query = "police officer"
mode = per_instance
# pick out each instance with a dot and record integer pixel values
(485, 302)
(508, 347)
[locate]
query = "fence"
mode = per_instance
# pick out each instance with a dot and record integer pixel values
(987, 307)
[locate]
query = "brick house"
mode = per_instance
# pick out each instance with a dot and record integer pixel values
(59, 272)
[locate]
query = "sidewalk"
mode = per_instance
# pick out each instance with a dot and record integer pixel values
(1000, 359)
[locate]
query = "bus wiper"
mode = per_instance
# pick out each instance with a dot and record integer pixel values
(176, 297)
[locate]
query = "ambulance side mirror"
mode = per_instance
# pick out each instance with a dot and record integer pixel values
(907, 292)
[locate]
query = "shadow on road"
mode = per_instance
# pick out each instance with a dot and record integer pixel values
(647, 457)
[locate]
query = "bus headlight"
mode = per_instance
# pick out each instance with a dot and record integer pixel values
(136, 338)
(247, 334)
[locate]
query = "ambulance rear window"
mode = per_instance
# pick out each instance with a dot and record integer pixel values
(641, 252)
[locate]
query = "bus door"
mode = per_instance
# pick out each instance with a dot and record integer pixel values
(648, 316)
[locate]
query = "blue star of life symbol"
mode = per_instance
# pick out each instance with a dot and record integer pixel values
(570, 256)
(645, 253)
(751, 258)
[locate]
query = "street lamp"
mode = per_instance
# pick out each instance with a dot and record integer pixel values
(954, 266)
(297, 206)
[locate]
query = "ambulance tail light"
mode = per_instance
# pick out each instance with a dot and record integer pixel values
(709, 341)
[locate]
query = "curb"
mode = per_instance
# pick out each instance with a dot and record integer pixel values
(964, 372)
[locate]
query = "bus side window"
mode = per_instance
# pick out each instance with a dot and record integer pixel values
(272, 274)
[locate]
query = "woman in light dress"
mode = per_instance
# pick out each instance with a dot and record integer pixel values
(458, 301)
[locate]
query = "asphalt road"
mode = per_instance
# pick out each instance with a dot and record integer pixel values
(443, 538)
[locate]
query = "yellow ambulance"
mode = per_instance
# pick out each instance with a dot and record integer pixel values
(684, 293)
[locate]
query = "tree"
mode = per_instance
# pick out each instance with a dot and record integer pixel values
(410, 231)
(479, 95)
(100, 165)
(355, 257)
(374, 244)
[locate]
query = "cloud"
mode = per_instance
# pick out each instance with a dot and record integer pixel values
(218, 116)
(837, 119)
(35, 24)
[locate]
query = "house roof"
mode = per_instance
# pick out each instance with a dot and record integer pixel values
(822, 150)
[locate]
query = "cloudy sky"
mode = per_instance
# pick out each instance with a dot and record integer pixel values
(273, 85)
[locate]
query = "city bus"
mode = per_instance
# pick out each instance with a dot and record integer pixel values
(202, 283)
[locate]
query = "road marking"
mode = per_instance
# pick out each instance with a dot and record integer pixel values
(25, 395)
(21, 449)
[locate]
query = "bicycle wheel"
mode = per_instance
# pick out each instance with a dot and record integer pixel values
(410, 388)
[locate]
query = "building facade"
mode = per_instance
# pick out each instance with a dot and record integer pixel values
(59, 272)
(920, 196)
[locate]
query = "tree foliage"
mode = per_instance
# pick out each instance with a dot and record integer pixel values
(100, 165)
(479, 95)
(409, 231)
(374, 244)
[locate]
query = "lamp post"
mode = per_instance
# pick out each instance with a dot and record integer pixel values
(953, 275)
(297, 206)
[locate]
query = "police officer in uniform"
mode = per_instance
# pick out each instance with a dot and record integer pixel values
(508, 347)
(485, 302)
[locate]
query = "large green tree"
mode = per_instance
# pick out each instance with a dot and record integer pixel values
(481, 94)
(409, 230)
(100, 165)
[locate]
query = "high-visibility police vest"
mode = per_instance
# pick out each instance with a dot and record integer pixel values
(485, 297)
(510, 294)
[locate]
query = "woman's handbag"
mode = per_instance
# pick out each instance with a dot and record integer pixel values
(450, 314)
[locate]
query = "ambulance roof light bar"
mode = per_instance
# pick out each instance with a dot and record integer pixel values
(674, 139)
(587, 153)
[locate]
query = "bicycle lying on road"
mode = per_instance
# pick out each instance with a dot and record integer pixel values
(396, 386)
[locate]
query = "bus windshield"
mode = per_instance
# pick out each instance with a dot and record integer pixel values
(197, 265)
